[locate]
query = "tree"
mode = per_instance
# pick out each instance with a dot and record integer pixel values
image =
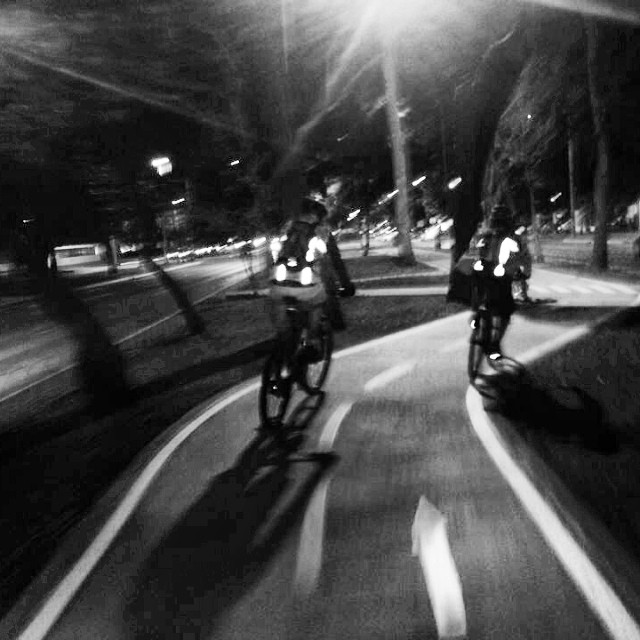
(602, 180)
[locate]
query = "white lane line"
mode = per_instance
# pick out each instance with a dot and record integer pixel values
(558, 289)
(62, 593)
(387, 376)
(403, 291)
(309, 560)
(623, 288)
(579, 289)
(66, 589)
(602, 599)
(602, 289)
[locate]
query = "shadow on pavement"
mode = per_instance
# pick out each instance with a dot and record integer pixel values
(195, 323)
(547, 311)
(564, 413)
(101, 363)
(222, 546)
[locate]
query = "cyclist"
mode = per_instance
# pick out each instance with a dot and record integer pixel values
(500, 259)
(521, 279)
(309, 269)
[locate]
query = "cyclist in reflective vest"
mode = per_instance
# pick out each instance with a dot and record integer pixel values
(499, 261)
(309, 268)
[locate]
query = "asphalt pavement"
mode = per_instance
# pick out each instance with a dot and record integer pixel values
(391, 508)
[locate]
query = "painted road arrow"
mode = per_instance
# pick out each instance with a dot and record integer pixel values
(431, 546)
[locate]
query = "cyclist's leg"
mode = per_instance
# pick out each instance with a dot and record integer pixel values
(499, 324)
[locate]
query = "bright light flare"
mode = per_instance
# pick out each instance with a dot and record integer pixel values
(162, 165)
(593, 8)
(281, 273)
(306, 276)
(452, 184)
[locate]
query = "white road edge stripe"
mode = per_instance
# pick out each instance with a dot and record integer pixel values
(599, 595)
(66, 589)
(388, 376)
(309, 558)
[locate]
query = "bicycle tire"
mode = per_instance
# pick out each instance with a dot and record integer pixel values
(275, 391)
(313, 375)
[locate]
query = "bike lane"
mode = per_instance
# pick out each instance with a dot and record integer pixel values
(219, 544)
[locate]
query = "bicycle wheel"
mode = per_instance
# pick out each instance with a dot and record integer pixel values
(479, 338)
(275, 390)
(313, 374)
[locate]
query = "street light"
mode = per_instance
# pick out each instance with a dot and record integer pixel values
(452, 184)
(162, 165)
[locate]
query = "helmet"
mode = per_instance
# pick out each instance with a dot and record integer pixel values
(500, 216)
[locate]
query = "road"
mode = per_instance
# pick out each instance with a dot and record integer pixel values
(33, 345)
(419, 529)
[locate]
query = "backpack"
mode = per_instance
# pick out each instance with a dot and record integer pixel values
(489, 247)
(296, 244)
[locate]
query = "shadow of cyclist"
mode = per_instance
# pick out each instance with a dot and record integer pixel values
(222, 546)
(565, 413)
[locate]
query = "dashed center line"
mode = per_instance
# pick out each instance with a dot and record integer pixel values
(309, 558)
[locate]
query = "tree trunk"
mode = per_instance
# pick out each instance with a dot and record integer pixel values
(478, 114)
(572, 179)
(537, 247)
(601, 178)
(398, 148)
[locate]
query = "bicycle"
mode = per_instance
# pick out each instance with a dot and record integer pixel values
(485, 335)
(290, 363)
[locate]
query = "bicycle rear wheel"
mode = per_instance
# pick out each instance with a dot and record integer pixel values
(479, 338)
(314, 374)
(275, 390)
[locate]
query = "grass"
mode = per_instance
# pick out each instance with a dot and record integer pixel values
(591, 440)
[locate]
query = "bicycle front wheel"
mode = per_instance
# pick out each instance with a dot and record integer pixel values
(275, 390)
(314, 374)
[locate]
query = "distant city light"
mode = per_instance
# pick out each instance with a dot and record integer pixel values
(178, 201)
(454, 183)
(417, 181)
(554, 198)
(162, 165)
(234, 163)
